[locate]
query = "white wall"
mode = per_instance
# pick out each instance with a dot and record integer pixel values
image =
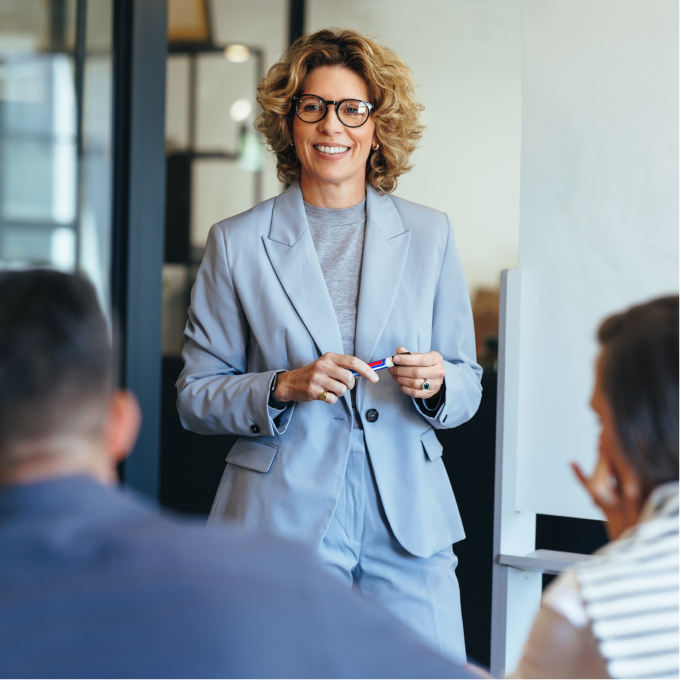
(466, 60)
(599, 218)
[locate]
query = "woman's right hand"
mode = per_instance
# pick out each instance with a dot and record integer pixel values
(329, 372)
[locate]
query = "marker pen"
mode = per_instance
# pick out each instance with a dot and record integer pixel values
(377, 365)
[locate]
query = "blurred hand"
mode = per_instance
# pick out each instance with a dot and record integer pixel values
(412, 370)
(331, 372)
(616, 491)
(478, 672)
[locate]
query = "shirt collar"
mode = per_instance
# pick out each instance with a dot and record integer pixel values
(661, 500)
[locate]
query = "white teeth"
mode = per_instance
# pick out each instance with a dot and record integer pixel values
(332, 149)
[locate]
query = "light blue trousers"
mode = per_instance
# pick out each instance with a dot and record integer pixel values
(360, 547)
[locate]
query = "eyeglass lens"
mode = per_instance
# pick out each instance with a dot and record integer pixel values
(351, 112)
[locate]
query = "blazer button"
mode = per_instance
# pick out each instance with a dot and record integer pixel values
(255, 429)
(372, 415)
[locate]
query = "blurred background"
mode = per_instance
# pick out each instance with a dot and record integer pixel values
(126, 131)
(55, 137)
(466, 59)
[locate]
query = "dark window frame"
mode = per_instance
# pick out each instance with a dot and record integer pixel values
(140, 47)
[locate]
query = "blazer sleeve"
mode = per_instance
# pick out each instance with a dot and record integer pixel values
(454, 337)
(215, 394)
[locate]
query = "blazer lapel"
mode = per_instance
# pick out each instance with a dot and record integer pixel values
(386, 245)
(293, 256)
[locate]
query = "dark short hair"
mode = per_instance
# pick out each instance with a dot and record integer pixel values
(640, 379)
(55, 353)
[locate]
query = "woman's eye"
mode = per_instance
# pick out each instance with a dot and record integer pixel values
(312, 107)
(355, 109)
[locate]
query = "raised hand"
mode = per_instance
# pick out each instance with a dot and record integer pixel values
(616, 491)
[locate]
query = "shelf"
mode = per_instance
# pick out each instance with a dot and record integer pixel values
(543, 561)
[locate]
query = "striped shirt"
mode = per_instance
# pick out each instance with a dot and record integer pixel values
(630, 589)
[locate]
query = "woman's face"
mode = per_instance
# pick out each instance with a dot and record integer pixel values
(608, 444)
(334, 83)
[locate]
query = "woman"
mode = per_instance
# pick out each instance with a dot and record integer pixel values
(617, 615)
(298, 292)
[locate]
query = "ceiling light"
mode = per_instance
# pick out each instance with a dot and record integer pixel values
(240, 109)
(237, 53)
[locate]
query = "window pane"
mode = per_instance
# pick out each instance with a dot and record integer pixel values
(55, 209)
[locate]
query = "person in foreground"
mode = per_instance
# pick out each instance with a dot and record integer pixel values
(97, 583)
(617, 614)
(301, 290)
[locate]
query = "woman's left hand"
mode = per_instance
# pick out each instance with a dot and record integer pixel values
(616, 491)
(411, 371)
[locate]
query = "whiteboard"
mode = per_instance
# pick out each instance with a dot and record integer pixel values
(598, 215)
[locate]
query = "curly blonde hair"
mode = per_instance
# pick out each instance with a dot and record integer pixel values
(391, 91)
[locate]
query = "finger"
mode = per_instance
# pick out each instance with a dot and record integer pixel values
(592, 485)
(342, 375)
(339, 366)
(331, 385)
(405, 358)
(417, 383)
(357, 365)
(417, 393)
(331, 396)
(314, 393)
(423, 373)
(604, 480)
(604, 487)
(431, 358)
(627, 485)
(393, 374)
(580, 476)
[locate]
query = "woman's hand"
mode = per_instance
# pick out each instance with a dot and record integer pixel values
(329, 372)
(478, 672)
(412, 370)
(616, 491)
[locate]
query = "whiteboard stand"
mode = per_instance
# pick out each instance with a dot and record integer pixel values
(518, 567)
(515, 593)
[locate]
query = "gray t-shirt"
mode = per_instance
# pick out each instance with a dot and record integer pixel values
(338, 236)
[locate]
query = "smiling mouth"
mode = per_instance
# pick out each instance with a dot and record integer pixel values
(331, 149)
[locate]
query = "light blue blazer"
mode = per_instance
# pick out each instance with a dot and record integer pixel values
(260, 305)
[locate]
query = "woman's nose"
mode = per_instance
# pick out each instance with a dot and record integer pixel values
(330, 123)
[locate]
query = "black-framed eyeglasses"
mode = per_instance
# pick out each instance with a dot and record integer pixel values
(352, 113)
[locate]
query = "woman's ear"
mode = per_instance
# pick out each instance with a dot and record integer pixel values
(123, 421)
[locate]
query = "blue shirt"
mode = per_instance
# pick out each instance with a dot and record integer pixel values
(96, 583)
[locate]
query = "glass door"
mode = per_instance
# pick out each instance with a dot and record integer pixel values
(55, 137)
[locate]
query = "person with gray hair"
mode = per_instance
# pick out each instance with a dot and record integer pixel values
(95, 582)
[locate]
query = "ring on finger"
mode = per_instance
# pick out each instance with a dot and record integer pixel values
(323, 395)
(426, 385)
